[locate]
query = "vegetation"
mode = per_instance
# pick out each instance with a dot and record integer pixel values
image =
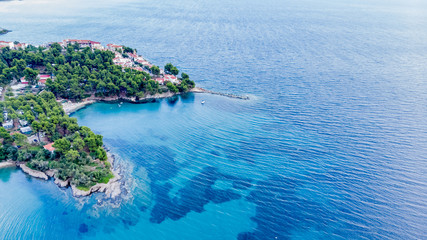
(80, 72)
(78, 155)
(3, 31)
(75, 74)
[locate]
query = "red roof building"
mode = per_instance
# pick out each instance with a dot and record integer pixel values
(114, 47)
(49, 147)
(23, 81)
(82, 43)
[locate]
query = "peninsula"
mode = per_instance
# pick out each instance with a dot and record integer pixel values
(37, 81)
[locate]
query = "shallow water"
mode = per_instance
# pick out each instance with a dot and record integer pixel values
(331, 145)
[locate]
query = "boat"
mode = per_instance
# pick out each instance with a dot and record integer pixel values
(203, 101)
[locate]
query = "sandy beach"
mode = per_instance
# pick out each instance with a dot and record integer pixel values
(70, 107)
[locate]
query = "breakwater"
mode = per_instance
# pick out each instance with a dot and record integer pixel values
(202, 90)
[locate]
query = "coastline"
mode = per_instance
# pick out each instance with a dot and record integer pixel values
(72, 107)
(112, 189)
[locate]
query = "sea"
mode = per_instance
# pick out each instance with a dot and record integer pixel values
(332, 143)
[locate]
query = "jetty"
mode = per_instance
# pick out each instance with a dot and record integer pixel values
(202, 90)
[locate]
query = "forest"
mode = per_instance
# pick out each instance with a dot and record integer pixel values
(79, 154)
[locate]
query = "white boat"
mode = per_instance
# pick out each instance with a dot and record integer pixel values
(203, 101)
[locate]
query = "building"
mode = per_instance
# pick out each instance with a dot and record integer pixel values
(82, 43)
(20, 46)
(49, 147)
(171, 78)
(160, 80)
(23, 80)
(8, 124)
(42, 78)
(26, 130)
(4, 44)
(114, 47)
(23, 123)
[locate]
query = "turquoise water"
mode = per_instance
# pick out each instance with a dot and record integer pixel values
(331, 145)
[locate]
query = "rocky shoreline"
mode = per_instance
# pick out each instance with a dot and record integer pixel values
(33, 173)
(112, 189)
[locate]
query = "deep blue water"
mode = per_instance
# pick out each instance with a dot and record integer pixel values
(332, 144)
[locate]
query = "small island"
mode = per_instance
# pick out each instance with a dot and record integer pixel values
(3, 31)
(38, 82)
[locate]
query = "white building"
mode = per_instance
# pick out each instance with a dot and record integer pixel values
(8, 124)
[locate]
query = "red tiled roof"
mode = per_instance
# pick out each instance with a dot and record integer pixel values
(49, 147)
(114, 45)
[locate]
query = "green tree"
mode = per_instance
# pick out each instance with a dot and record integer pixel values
(168, 68)
(20, 139)
(72, 155)
(155, 70)
(62, 145)
(31, 75)
(78, 143)
(174, 71)
(36, 127)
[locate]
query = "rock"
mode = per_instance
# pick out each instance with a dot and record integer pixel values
(7, 164)
(50, 172)
(114, 190)
(79, 193)
(61, 183)
(111, 189)
(33, 173)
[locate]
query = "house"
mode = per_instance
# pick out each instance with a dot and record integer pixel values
(26, 130)
(8, 124)
(138, 69)
(49, 147)
(160, 80)
(171, 78)
(43, 79)
(114, 47)
(23, 80)
(20, 46)
(81, 43)
(4, 44)
(23, 123)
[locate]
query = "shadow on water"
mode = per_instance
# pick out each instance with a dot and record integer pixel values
(188, 97)
(172, 100)
(5, 174)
